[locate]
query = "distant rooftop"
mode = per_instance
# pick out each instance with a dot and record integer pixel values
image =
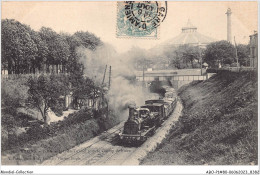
(189, 28)
(189, 35)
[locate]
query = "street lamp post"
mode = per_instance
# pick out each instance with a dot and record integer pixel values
(236, 51)
(200, 59)
(143, 73)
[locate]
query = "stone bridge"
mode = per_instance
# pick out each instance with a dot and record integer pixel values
(177, 78)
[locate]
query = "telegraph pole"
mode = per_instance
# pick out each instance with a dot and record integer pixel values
(200, 60)
(236, 50)
(104, 76)
(109, 82)
(143, 75)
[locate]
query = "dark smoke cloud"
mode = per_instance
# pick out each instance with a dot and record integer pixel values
(123, 91)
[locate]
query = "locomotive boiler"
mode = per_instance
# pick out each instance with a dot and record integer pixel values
(140, 122)
(144, 120)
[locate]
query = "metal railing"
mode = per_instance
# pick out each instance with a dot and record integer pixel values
(16, 76)
(231, 69)
(173, 78)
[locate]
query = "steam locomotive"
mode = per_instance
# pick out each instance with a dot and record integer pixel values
(144, 120)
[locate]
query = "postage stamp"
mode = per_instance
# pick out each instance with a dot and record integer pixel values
(140, 19)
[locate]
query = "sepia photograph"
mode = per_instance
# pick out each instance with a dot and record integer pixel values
(129, 83)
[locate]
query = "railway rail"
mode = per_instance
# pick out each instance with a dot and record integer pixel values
(108, 149)
(103, 150)
(69, 155)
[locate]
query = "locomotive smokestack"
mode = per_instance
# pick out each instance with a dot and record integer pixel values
(229, 37)
(131, 111)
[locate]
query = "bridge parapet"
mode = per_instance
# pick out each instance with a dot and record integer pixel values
(176, 80)
(172, 78)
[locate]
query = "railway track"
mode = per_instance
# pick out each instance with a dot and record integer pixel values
(105, 149)
(72, 156)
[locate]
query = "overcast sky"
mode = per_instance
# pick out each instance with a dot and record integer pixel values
(100, 18)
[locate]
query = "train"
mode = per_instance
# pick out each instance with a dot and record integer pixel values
(144, 120)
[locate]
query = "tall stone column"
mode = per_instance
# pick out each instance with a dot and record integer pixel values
(229, 35)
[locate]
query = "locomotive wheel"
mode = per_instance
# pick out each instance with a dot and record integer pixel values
(139, 143)
(153, 131)
(159, 124)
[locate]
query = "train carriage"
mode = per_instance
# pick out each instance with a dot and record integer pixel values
(143, 121)
(157, 109)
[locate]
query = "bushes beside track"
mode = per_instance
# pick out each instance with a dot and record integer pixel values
(61, 136)
(218, 125)
(25, 140)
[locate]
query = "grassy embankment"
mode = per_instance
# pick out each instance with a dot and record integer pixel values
(218, 125)
(38, 143)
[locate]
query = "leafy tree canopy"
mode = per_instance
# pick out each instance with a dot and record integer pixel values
(221, 52)
(243, 53)
(25, 50)
(45, 92)
(18, 47)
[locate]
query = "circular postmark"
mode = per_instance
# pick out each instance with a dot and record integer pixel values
(145, 15)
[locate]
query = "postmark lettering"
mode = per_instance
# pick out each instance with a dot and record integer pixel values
(140, 19)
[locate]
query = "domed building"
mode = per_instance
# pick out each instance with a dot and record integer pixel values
(189, 35)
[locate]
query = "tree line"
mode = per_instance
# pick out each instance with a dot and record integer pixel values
(189, 56)
(215, 53)
(224, 53)
(45, 51)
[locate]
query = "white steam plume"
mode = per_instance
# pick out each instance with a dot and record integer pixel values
(122, 91)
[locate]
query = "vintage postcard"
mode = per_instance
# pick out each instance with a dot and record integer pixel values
(129, 83)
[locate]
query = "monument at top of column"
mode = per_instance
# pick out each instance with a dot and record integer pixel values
(229, 34)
